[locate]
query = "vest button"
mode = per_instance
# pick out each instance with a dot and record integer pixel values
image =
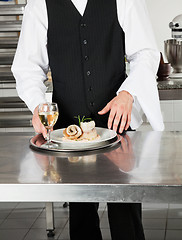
(88, 73)
(83, 25)
(90, 89)
(86, 58)
(85, 42)
(92, 104)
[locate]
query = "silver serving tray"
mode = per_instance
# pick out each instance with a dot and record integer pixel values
(38, 143)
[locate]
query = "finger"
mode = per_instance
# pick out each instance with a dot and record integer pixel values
(123, 123)
(39, 127)
(111, 117)
(128, 121)
(43, 131)
(128, 142)
(124, 145)
(105, 109)
(116, 121)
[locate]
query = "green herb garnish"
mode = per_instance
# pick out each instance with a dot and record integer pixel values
(83, 119)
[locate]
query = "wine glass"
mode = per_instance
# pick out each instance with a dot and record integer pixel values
(48, 114)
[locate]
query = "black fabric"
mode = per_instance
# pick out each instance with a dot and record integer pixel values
(84, 221)
(86, 57)
(124, 220)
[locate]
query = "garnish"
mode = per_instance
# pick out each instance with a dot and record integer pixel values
(83, 119)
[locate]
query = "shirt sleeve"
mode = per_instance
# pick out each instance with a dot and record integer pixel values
(30, 65)
(143, 57)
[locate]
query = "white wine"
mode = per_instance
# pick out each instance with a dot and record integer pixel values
(48, 119)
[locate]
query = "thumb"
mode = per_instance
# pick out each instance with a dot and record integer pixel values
(105, 109)
(44, 131)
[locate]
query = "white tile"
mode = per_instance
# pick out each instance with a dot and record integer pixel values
(41, 223)
(13, 234)
(25, 213)
(5, 213)
(175, 206)
(64, 234)
(175, 213)
(67, 224)
(173, 235)
(17, 223)
(178, 126)
(32, 205)
(178, 112)
(40, 234)
(154, 213)
(155, 205)
(1, 221)
(154, 234)
(174, 224)
(169, 126)
(163, 102)
(167, 111)
(159, 223)
(8, 205)
(58, 213)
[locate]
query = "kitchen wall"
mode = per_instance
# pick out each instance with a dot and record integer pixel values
(162, 12)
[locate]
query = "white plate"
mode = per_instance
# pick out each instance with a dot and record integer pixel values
(106, 135)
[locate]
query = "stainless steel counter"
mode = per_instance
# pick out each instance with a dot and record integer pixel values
(145, 167)
(170, 89)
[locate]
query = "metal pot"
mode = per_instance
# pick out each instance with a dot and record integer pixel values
(173, 52)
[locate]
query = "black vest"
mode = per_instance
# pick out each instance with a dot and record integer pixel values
(86, 57)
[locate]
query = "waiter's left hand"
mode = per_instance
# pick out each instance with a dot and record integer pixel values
(120, 109)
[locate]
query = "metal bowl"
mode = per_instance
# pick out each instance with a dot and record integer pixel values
(173, 52)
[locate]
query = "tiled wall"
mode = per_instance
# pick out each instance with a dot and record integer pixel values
(172, 116)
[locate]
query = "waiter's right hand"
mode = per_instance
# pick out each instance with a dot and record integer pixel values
(38, 126)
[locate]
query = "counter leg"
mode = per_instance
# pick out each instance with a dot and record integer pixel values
(50, 219)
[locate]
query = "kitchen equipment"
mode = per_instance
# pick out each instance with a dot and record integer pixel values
(173, 47)
(164, 70)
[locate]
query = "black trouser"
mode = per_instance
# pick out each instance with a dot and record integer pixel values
(124, 219)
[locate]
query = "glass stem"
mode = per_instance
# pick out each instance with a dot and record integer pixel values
(48, 136)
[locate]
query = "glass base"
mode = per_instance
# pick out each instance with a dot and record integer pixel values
(50, 145)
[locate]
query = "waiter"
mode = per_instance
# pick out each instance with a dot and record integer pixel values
(85, 43)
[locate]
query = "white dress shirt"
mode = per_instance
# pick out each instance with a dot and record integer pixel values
(31, 63)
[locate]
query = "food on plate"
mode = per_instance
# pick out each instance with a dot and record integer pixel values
(72, 132)
(85, 132)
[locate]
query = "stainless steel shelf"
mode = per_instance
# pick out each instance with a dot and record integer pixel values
(12, 10)
(8, 43)
(13, 111)
(10, 26)
(6, 75)
(6, 58)
(15, 119)
(11, 102)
